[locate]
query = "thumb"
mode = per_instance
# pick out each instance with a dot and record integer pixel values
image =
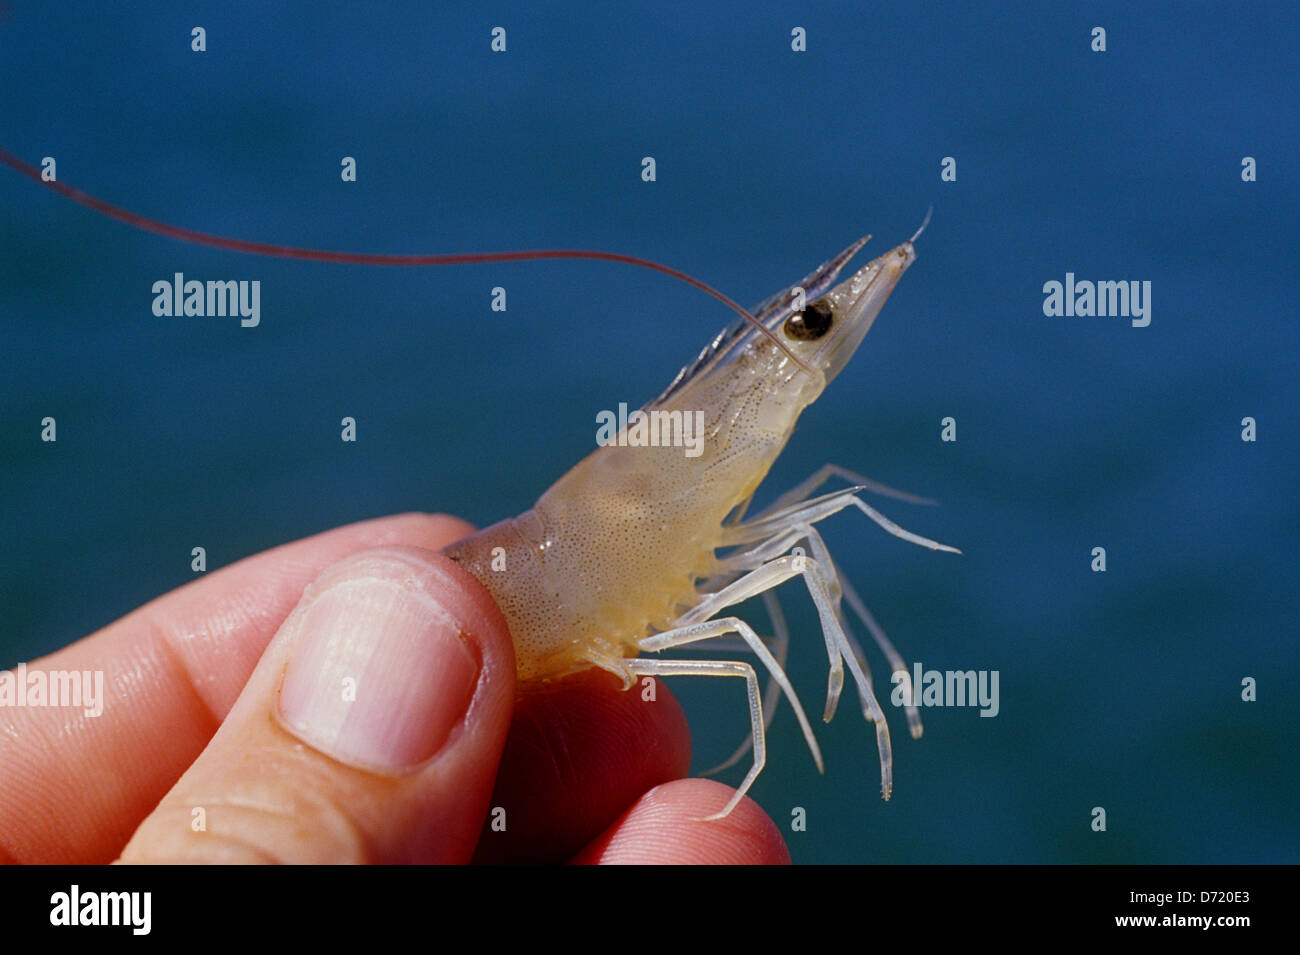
(369, 732)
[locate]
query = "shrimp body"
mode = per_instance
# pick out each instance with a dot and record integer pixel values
(624, 554)
(613, 550)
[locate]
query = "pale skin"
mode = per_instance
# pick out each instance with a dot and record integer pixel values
(590, 773)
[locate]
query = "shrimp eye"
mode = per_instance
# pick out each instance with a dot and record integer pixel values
(812, 323)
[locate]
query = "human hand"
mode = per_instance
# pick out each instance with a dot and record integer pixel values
(371, 719)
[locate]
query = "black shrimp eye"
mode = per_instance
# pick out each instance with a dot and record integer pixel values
(810, 324)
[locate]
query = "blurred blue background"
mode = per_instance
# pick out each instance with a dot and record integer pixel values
(1119, 690)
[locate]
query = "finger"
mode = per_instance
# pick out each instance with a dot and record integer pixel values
(664, 828)
(397, 672)
(580, 752)
(74, 787)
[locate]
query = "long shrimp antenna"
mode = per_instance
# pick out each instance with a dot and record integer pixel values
(925, 222)
(146, 224)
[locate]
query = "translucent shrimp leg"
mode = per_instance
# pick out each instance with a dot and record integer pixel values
(781, 641)
(772, 574)
(891, 654)
(780, 644)
(780, 544)
(818, 509)
(787, 504)
(839, 640)
(778, 531)
(707, 630)
(839, 584)
(804, 489)
(642, 667)
(769, 575)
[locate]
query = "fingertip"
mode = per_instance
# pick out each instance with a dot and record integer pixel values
(666, 827)
(434, 530)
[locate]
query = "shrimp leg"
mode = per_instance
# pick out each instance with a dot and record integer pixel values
(804, 489)
(707, 630)
(891, 654)
(779, 644)
(789, 502)
(641, 667)
(781, 543)
(819, 509)
(807, 532)
(749, 561)
(770, 575)
(772, 695)
(821, 575)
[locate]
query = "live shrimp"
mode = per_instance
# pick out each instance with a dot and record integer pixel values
(642, 548)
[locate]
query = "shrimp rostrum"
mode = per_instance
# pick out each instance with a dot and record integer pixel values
(644, 547)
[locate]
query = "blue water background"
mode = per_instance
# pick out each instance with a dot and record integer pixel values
(1120, 690)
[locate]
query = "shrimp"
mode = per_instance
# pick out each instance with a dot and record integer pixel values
(642, 548)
